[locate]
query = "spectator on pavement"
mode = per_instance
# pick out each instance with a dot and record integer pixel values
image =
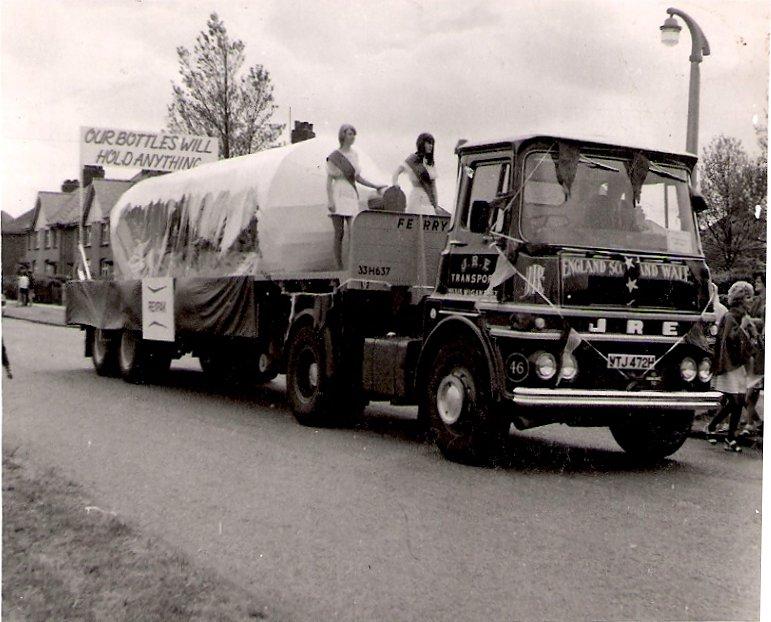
(23, 285)
(732, 352)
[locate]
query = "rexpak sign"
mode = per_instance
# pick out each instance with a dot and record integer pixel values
(156, 151)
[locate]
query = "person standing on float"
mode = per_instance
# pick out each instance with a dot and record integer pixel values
(419, 167)
(343, 172)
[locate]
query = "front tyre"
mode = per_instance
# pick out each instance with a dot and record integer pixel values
(652, 437)
(459, 407)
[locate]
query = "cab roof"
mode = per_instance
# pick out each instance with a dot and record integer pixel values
(517, 143)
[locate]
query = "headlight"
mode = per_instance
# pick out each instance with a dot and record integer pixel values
(545, 365)
(705, 370)
(713, 330)
(688, 369)
(569, 368)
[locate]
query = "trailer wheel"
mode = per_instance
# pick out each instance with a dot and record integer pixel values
(130, 357)
(458, 405)
(104, 352)
(652, 437)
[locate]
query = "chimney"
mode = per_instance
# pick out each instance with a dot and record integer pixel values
(91, 172)
(68, 185)
(302, 131)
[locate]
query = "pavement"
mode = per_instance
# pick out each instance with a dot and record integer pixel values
(54, 315)
(39, 313)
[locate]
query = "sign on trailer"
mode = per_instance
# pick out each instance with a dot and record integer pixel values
(158, 308)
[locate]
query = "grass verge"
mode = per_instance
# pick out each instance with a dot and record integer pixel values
(65, 559)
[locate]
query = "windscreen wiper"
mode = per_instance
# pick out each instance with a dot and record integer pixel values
(594, 164)
(664, 173)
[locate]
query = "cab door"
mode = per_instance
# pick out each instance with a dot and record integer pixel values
(470, 260)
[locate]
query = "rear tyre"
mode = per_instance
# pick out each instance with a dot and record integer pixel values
(313, 393)
(652, 437)
(104, 352)
(130, 357)
(458, 405)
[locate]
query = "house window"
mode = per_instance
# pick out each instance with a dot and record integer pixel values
(105, 269)
(47, 237)
(105, 234)
(55, 235)
(50, 268)
(87, 235)
(38, 239)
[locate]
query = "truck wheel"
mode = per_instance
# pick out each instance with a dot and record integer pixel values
(652, 437)
(104, 352)
(458, 405)
(308, 385)
(130, 357)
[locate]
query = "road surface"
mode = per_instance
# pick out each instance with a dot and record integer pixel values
(371, 523)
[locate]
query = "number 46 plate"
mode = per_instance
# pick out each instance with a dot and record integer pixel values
(631, 361)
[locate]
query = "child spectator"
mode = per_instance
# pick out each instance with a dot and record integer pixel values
(732, 351)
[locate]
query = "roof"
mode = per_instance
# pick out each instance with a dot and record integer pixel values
(106, 195)
(19, 224)
(604, 141)
(69, 212)
(46, 206)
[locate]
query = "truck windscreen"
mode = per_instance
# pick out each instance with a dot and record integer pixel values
(599, 208)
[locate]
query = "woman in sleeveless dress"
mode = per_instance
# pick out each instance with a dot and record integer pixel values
(343, 172)
(419, 167)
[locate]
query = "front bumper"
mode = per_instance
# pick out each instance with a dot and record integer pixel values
(672, 400)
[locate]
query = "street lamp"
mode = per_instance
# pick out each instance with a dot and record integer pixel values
(670, 34)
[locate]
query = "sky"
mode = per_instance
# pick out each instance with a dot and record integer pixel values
(457, 68)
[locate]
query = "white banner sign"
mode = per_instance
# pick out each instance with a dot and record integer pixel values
(158, 308)
(155, 151)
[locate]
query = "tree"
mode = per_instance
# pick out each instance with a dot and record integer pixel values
(213, 100)
(734, 227)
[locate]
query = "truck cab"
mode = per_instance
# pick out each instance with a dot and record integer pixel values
(573, 289)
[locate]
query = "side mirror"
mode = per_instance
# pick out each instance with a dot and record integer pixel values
(479, 220)
(698, 202)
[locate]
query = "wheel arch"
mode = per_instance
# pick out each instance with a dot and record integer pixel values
(459, 326)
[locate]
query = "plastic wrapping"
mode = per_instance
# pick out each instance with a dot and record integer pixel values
(260, 213)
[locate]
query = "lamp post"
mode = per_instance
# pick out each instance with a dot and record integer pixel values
(670, 33)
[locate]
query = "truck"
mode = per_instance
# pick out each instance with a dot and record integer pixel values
(568, 287)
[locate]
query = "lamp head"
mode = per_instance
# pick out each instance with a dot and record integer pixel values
(670, 31)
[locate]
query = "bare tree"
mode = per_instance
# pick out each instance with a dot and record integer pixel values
(213, 100)
(734, 185)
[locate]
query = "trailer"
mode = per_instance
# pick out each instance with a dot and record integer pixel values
(568, 287)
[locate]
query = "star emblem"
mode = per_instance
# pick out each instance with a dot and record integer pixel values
(631, 284)
(629, 261)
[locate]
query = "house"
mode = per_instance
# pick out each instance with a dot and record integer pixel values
(14, 232)
(44, 235)
(96, 232)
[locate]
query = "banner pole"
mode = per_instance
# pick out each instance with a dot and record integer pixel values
(81, 237)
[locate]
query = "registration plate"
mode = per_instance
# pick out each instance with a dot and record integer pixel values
(631, 361)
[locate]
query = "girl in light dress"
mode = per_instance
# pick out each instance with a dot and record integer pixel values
(419, 167)
(343, 172)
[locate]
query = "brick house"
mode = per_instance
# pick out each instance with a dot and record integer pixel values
(103, 196)
(14, 232)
